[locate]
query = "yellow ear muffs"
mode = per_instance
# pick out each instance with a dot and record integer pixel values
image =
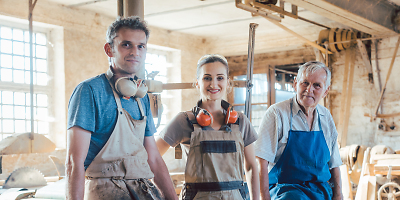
(129, 87)
(126, 86)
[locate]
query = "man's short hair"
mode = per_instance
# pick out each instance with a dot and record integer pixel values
(312, 66)
(133, 22)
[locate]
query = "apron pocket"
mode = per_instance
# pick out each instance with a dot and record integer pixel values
(136, 169)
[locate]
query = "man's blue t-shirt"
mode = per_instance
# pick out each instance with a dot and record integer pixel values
(92, 107)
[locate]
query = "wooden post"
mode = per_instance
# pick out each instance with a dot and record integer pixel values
(345, 103)
(271, 85)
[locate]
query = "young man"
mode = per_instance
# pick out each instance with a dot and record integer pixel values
(110, 139)
(297, 145)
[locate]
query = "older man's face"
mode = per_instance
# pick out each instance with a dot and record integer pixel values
(311, 89)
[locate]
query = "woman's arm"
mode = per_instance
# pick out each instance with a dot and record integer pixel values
(162, 145)
(252, 172)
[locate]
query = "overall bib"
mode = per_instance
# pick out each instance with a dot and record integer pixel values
(302, 172)
(120, 170)
(214, 168)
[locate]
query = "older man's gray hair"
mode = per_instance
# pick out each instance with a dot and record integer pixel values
(312, 66)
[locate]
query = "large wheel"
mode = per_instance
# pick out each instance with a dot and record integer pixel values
(389, 191)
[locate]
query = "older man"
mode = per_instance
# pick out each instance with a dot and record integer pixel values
(297, 146)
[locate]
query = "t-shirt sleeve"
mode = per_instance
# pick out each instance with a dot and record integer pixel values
(177, 130)
(81, 108)
(249, 133)
(150, 127)
(335, 160)
(266, 145)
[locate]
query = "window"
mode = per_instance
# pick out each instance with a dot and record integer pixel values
(156, 68)
(15, 114)
(259, 97)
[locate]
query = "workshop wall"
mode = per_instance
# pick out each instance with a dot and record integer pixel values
(365, 96)
(83, 57)
(84, 38)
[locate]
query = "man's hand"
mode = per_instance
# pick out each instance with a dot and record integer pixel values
(264, 179)
(157, 165)
(78, 141)
(337, 184)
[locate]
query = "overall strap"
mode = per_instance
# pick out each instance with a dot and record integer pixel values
(319, 120)
(116, 96)
(192, 120)
(291, 114)
(140, 107)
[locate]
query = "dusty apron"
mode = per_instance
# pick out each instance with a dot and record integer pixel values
(120, 170)
(302, 172)
(214, 168)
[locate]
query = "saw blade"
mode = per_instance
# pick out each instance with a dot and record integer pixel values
(25, 177)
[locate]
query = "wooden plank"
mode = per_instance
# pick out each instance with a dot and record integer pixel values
(367, 184)
(348, 100)
(346, 185)
(271, 85)
(364, 56)
(383, 167)
(367, 11)
(385, 172)
(351, 16)
(333, 13)
(383, 115)
(343, 98)
(313, 44)
(384, 157)
(275, 9)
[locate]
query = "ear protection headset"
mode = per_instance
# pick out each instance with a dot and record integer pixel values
(204, 117)
(128, 87)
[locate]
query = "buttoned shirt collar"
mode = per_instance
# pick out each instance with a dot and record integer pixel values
(296, 109)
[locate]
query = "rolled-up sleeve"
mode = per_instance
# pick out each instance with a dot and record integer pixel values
(335, 160)
(267, 142)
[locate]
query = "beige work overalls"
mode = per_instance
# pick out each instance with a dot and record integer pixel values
(120, 170)
(214, 168)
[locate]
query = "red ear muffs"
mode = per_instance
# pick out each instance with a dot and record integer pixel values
(231, 116)
(204, 118)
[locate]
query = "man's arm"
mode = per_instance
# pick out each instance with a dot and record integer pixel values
(252, 172)
(78, 141)
(157, 165)
(264, 179)
(337, 184)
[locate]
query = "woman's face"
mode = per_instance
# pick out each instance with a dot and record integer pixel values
(212, 81)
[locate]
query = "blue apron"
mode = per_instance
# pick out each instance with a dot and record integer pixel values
(302, 171)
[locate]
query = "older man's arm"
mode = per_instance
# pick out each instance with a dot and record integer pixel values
(160, 170)
(264, 179)
(337, 184)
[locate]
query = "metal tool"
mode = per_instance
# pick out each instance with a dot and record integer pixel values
(250, 61)
(25, 177)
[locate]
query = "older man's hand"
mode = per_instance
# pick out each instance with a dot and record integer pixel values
(337, 196)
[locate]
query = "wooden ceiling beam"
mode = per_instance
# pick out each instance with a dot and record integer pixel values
(368, 16)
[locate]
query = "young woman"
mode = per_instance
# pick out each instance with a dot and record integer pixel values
(220, 153)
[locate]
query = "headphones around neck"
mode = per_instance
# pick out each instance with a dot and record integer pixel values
(127, 86)
(204, 117)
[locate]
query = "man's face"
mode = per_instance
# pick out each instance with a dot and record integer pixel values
(128, 52)
(311, 89)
